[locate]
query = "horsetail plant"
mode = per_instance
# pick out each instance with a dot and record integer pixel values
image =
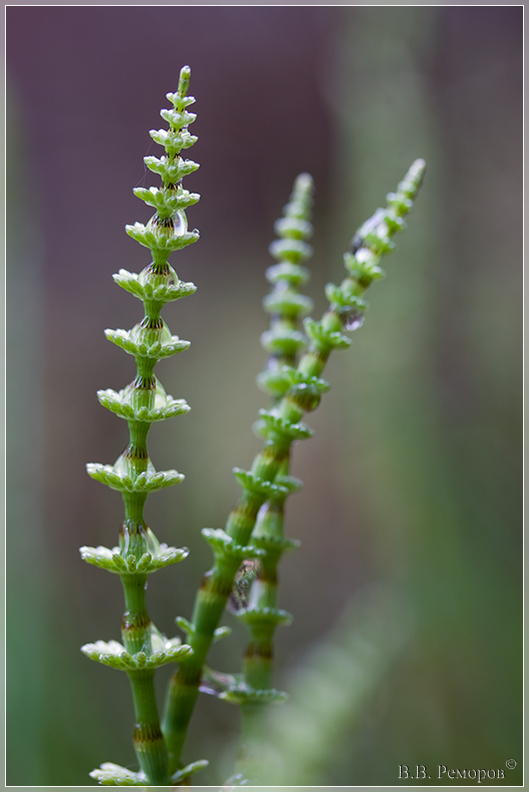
(142, 403)
(297, 390)
(248, 551)
(283, 341)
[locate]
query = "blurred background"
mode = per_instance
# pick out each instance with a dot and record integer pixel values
(406, 591)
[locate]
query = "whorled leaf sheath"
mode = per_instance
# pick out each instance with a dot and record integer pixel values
(285, 304)
(142, 403)
(280, 426)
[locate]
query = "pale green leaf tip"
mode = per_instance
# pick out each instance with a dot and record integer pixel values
(110, 774)
(183, 82)
(416, 173)
(188, 770)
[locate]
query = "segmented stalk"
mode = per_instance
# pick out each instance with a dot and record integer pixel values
(280, 426)
(283, 341)
(142, 403)
(284, 303)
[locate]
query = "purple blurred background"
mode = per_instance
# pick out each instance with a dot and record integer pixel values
(414, 474)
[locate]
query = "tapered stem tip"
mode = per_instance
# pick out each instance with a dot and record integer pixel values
(418, 169)
(304, 182)
(183, 83)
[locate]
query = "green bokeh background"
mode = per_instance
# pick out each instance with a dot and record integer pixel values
(406, 592)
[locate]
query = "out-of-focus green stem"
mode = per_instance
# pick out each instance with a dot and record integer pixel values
(283, 340)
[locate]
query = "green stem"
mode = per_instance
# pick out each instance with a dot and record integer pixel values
(209, 606)
(141, 403)
(136, 628)
(263, 618)
(253, 735)
(149, 744)
(285, 304)
(136, 631)
(263, 593)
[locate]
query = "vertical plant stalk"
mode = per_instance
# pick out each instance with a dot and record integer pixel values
(284, 342)
(142, 403)
(280, 426)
